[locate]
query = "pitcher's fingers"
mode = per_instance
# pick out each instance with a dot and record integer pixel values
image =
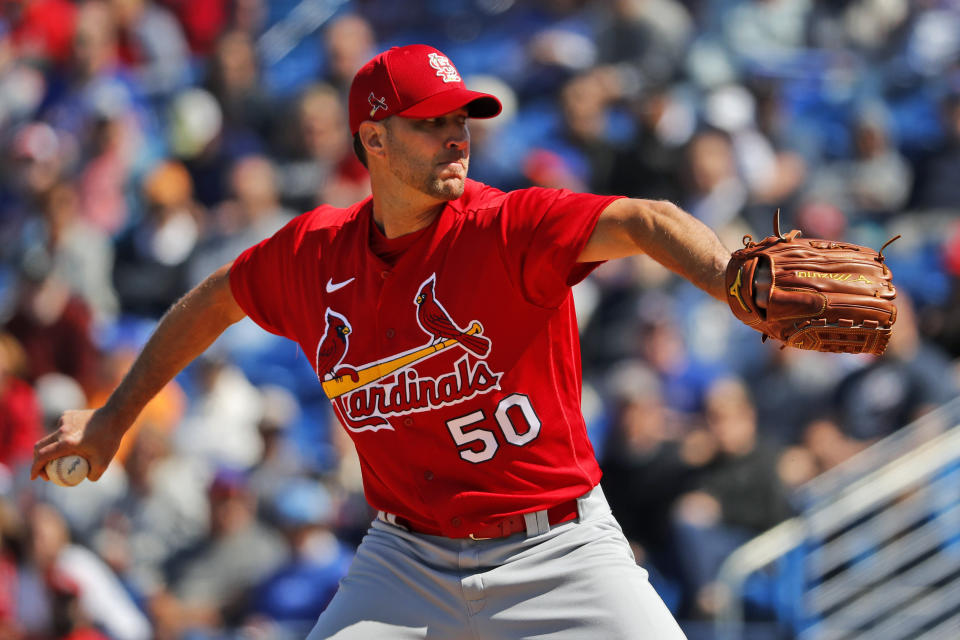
(44, 441)
(38, 462)
(44, 453)
(95, 474)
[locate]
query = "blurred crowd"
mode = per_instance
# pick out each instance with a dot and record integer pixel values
(143, 143)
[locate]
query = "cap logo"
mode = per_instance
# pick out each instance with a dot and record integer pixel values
(444, 67)
(376, 103)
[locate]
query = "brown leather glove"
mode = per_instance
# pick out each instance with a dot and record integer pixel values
(823, 295)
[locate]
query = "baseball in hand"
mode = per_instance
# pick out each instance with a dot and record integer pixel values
(68, 470)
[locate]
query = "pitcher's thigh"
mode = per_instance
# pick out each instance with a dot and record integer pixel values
(583, 584)
(387, 594)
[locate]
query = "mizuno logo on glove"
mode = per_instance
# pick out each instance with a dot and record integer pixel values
(842, 277)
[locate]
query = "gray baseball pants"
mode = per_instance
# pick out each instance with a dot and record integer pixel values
(573, 581)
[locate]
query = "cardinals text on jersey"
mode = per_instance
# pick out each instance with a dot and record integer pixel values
(370, 393)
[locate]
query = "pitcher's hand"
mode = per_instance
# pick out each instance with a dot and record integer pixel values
(93, 434)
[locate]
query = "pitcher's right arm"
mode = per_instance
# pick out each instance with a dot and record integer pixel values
(185, 331)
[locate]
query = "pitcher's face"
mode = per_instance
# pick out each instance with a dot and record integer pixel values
(431, 155)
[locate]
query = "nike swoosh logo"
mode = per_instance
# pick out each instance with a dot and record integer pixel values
(331, 287)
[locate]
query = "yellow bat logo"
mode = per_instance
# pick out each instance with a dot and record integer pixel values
(338, 386)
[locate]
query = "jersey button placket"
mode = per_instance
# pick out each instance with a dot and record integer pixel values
(389, 333)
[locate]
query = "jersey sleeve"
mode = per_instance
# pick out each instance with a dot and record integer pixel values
(261, 276)
(543, 232)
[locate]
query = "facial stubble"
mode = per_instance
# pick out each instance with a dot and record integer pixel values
(423, 175)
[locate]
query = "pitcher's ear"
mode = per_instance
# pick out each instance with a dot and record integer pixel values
(373, 137)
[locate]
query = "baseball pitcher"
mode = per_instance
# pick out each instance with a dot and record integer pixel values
(438, 316)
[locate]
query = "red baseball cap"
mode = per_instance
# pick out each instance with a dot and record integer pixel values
(415, 81)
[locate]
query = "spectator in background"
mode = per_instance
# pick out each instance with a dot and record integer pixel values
(151, 268)
(52, 556)
(69, 621)
(346, 485)
(942, 324)
(715, 192)
(776, 120)
(822, 446)
(827, 443)
(52, 324)
(20, 423)
(152, 46)
(869, 27)
(820, 219)
(320, 166)
(770, 175)
(790, 388)
(876, 181)
(94, 88)
(349, 42)
(647, 465)
(252, 214)
(42, 29)
(293, 596)
(737, 495)
(208, 583)
(553, 170)
(247, 15)
(233, 77)
(36, 160)
(609, 304)
(114, 149)
(937, 186)
(280, 460)
(663, 347)
(220, 425)
(12, 543)
(203, 21)
(40, 157)
(561, 46)
(162, 511)
(496, 152)
(648, 164)
(93, 47)
(81, 254)
(585, 126)
(21, 85)
(197, 138)
(765, 32)
(645, 39)
(912, 377)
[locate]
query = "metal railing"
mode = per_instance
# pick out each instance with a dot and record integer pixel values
(876, 551)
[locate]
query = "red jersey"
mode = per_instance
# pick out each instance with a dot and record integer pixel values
(456, 367)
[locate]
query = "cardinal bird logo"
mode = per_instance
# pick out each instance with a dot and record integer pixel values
(333, 347)
(435, 320)
(376, 103)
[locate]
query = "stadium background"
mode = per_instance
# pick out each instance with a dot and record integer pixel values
(143, 143)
